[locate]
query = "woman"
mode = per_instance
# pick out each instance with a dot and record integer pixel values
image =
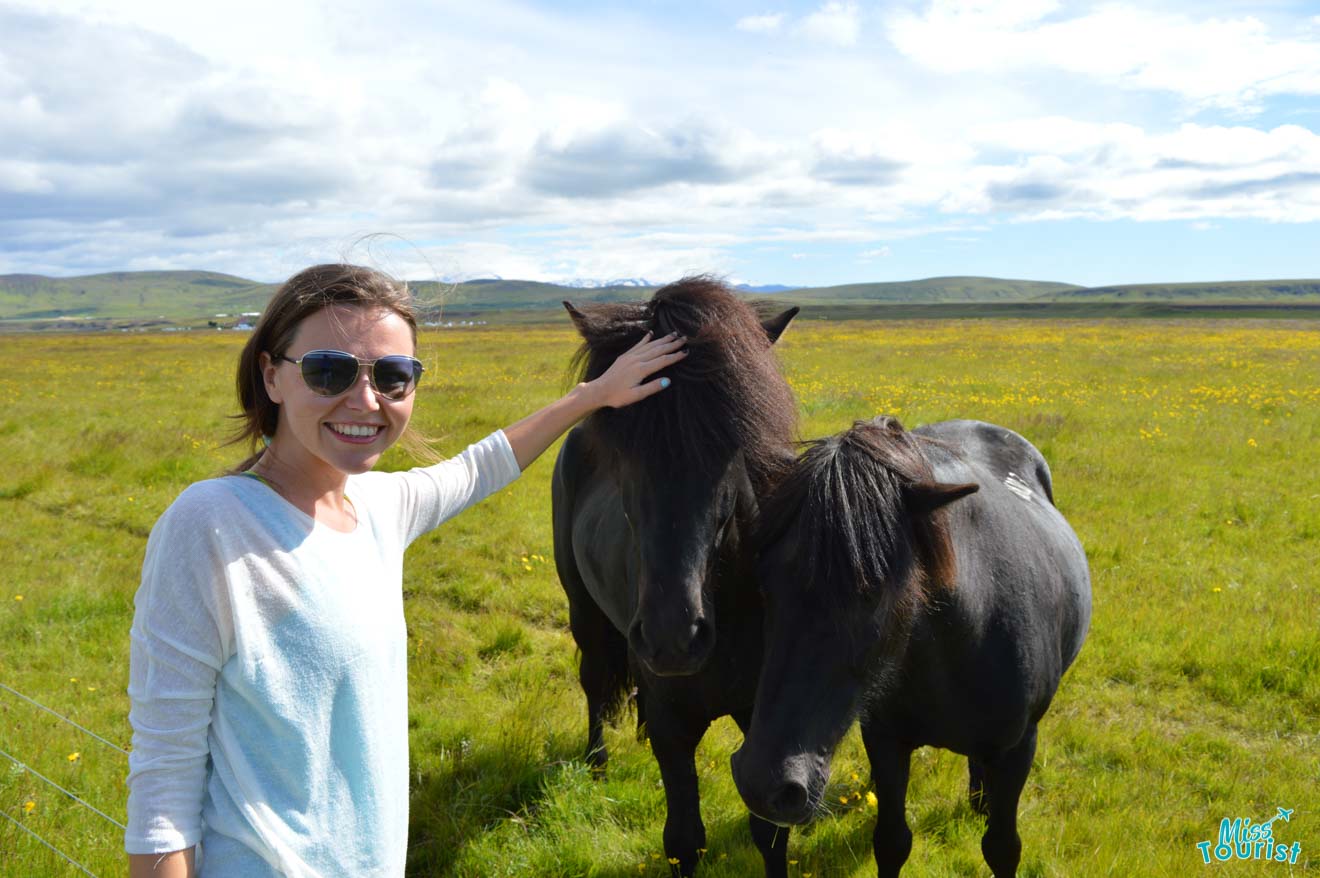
(268, 677)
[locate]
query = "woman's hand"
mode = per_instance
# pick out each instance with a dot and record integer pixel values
(624, 382)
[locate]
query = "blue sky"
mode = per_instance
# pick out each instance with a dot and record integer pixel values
(798, 143)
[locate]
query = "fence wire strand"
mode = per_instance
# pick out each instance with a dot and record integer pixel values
(73, 796)
(71, 861)
(36, 703)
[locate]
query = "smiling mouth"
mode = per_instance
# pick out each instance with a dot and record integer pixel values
(357, 434)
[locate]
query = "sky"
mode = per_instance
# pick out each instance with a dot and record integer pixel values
(799, 143)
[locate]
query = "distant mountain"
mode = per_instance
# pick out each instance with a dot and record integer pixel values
(589, 284)
(193, 296)
(174, 295)
(1219, 293)
(763, 288)
(497, 294)
(932, 290)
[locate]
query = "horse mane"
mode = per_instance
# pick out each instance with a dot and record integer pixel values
(727, 395)
(845, 496)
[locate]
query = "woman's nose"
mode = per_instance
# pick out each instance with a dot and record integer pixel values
(362, 396)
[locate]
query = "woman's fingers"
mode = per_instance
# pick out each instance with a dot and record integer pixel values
(650, 388)
(659, 347)
(657, 363)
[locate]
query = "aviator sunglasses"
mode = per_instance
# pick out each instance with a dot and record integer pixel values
(330, 373)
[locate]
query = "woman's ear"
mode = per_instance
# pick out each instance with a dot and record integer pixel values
(267, 363)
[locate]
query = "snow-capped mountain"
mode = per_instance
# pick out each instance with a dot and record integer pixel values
(763, 288)
(584, 283)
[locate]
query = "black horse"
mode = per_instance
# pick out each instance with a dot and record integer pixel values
(942, 626)
(654, 510)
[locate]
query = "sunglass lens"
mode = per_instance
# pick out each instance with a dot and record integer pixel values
(328, 373)
(396, 377)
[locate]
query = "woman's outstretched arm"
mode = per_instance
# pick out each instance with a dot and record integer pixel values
(622, 384)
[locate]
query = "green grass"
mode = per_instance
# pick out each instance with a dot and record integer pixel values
(1183, 453)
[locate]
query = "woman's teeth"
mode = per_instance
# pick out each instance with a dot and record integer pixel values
(355, 429)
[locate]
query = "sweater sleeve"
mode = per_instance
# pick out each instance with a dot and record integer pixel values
(182, 632)
(432, 495)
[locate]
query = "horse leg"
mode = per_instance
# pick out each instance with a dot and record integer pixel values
(771, 840)
(1004, 778)
(976, 786)
(603, 673)
(892, 839)
(674, 740)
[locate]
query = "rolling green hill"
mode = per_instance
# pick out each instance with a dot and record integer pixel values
(173, 295)
(932, 290)
(506, 294)
(195, 296)
(1277, 292)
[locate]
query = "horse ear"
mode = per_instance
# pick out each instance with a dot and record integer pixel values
(775, 326)
(579, 319)
(929, 496)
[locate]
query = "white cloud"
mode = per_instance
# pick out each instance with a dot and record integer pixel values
(836, 23)
(1121, 172)
(134, 138)
(761, 24)
(1229, 63)
(875, 253)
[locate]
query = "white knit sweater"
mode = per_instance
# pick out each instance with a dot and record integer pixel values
(268, 676)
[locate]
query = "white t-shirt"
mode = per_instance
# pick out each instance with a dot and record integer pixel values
(268, 674)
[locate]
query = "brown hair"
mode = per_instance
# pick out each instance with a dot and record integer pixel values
(301, 296)
(729, 393)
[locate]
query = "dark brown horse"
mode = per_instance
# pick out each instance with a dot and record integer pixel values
(925, 583)
(654, 510)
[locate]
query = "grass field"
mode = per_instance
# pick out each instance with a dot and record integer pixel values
(1184, 454)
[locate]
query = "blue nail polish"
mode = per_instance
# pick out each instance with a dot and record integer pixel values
(664, 382)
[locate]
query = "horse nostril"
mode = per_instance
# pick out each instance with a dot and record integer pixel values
(700, 636)
(790, 800)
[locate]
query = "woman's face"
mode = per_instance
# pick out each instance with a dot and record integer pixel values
(313, 432)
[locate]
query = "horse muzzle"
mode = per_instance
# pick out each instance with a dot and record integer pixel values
(786, 792)
(676, 649)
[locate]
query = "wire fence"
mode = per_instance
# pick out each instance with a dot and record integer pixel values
(67, 793)
(61, 716)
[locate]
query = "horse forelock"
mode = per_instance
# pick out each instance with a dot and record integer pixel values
(844, 503)
(726, 396)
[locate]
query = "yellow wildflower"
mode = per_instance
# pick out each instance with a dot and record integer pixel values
(872, 800)
(74, 757)
(28, 806)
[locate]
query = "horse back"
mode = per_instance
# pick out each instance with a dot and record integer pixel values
(1001, 635)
